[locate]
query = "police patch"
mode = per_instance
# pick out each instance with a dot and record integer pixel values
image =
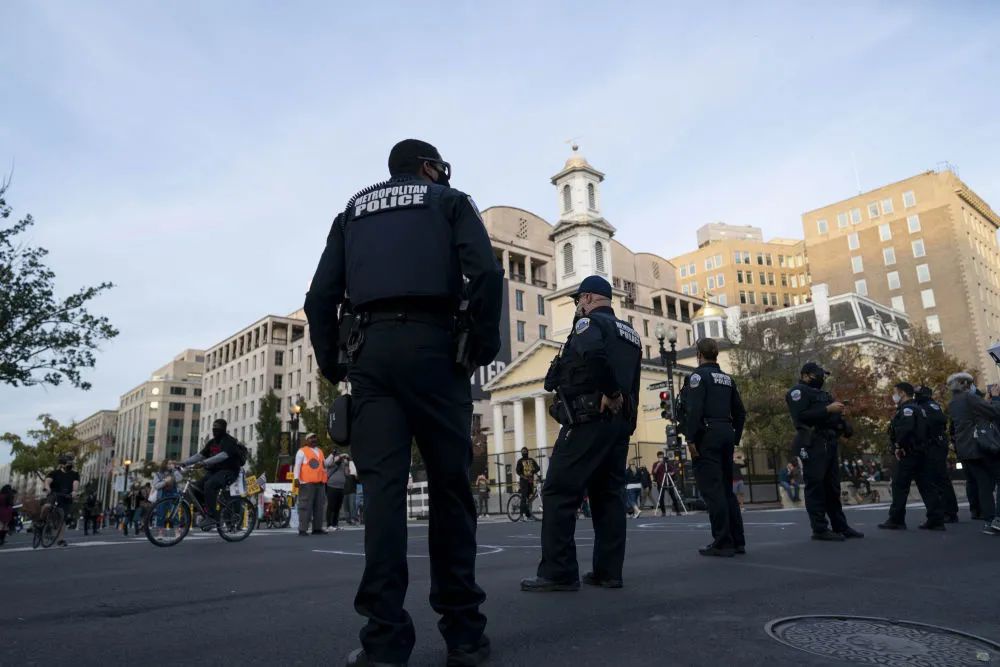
(907, 412)
(935, 406)
(695, 380)
(796, 394)
(582, 325)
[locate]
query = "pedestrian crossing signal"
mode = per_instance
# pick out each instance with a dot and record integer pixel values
(665, 404)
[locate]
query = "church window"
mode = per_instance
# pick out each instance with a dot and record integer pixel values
(567, 259)
(567, 202)
(591, 197)
(599, 256)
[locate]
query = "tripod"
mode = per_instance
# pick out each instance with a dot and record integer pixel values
(675, 493)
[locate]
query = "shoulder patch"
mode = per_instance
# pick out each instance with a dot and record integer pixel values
(723, 379)
(935, 406)
(907, 412)
(695, 380)
(582, 325)
(796, 394)
(475, 209)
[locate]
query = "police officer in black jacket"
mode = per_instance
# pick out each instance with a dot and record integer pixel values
(937, 452)
(401, 251)
(819, 422)
(713, 425)
(596, 380)
(909, 438)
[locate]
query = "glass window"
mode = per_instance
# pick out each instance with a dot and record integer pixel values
(822, 227)
(684, 270)
(749, 277)
(279, 358)
(599, 256)
(909, 199)
(857, 265)
(685, 290)
(541, 304)
(889, 255)
(753, 298)
(720, 280)
(739, 277)
(913, 223)
(737, 257)
(873, 210)
(710, 282)
(709, 264)
(760, 259)
(722, 300)
(764, 300)
(884, 232)
(856, 216)
(927, 298)
(784, 280)
(841, 221)
(933, 324)
(893, 277)
(897, 303)
(718, 261)
(692, 269)
(694, 288)
(794, 280)
(746, 256)
(918, 248)
(520, 331)
(743, 296)
(519, 299)
(567, 251)
(886, 206)
(923, 273)
(567, 201)
(542, 331)
(591, 197)
(861, 287)
(278, 379)
(768, 260)
(770, 279)
(853, 241)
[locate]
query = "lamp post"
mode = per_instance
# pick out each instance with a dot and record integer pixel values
(127, 462)
(293, 423)
(668, 359)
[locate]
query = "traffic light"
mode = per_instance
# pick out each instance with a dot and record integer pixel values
(665, 404)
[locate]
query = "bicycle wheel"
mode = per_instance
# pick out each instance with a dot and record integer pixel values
(536, 506)
(53, 525)
(514, 507)
(36, 535)
(168, 521)
(237, 519)
(282, 516)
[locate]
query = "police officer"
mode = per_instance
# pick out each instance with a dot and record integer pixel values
(819, 422)
(713, 425)
(401, 250)
(937, 452)
(909, 437)
(596, 380)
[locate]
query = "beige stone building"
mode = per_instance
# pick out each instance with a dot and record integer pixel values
(98, 430)
(159, 419)
(737, 267)
(926, 246)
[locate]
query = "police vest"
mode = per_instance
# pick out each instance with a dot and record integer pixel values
(312, 470)
(398, 242)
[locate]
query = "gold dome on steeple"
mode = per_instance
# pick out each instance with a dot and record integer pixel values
(710, 309)
(576, 160)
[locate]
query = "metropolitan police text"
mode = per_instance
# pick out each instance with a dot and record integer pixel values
(390, 197)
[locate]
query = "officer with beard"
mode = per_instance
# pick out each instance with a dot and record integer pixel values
(596, 380)
(402, 250)
(937, 451)
(819, 421)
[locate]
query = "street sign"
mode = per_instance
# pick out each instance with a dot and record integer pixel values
(660, 385)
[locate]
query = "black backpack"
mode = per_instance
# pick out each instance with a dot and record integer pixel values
(244, 453)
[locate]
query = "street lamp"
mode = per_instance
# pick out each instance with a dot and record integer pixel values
(127, 463)
(293, 423)
(668, 359)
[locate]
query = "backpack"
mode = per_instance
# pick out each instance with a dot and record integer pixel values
(243, 452)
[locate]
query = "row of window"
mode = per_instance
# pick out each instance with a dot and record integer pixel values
(568, 198)
(247, 365)
(519, 302)
(876, 209)
(543, 331)
(744, 257)
(749, 297)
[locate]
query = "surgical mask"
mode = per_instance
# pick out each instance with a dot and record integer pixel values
(896, 398)
(816, 382)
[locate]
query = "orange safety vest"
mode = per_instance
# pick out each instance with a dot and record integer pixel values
(312, 470)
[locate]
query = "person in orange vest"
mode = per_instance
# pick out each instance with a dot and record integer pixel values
(311, 476)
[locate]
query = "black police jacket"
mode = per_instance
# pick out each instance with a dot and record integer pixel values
(603, 354)
(710, 394)
(405, 238)
(908, 428)
(937, 421)
(807, 408)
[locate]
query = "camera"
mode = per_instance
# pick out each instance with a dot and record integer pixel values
(994, 351)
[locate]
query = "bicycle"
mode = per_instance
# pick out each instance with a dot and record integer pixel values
(46, 530)
(534, 503)
(170, 519)
(277, 513)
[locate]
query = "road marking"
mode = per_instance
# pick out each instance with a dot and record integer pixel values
(337, 552)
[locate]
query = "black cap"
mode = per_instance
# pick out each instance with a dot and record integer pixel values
(593, 285)
(812, 368)
(924, 392)
(905, 387)
(403, 156)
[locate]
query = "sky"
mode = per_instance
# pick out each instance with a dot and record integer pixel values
(194, 153)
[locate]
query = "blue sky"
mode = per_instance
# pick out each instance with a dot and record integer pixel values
(194, 153)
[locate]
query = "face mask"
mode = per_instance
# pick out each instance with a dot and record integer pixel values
(69, 466)
(896, 398)
(972, 389)
(218, 432)
(816, 382)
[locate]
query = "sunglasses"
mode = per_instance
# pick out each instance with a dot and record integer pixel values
(440, 165)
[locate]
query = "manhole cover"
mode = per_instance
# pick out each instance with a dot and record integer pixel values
(881, 641)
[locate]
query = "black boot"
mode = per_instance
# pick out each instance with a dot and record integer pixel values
(543, 585)
(469, 655)
(358, 658)
(828, 536)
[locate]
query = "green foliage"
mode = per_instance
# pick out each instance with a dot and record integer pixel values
(924, 361)
(51, 441)
(314, 418)
(268, 431)
(43, 339)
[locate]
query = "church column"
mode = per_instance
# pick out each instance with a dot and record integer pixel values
(527, 269)
(518, 424)
(541, 432)
(506, 263)
(497, 429)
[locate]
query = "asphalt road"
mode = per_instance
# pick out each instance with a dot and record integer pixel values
(279, 599)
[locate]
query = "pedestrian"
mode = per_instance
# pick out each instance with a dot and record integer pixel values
(90, 514)
(6, 511)
(908, 437)
(351, 492)
(819, 422)
(336, 476)
(61, 485)
(165, 485)
(712, 423)
(597, 375)
(483, 491)
(937, 452)
(411, 252)
(310, 472)
(646, 480)
(739, 485)
(786, 479)
(527, 471)
(977, 443)
(633, 488)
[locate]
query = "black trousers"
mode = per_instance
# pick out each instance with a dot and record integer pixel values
(89, 522)
(713, 472)
(525, 490)
(937, 457)
(821, 473)
(207, 489)
(986, 472)
(587, 460)
(407, 388)
(918, 467)
(971, 490)
(334, 501)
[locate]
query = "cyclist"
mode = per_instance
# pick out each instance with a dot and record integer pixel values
(221, 459)
(61, 484)
(527, 470)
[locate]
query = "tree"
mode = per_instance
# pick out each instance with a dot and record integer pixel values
(51, 441)
(268, 432)
(924, 361)
(43, 339)
(315, 417)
